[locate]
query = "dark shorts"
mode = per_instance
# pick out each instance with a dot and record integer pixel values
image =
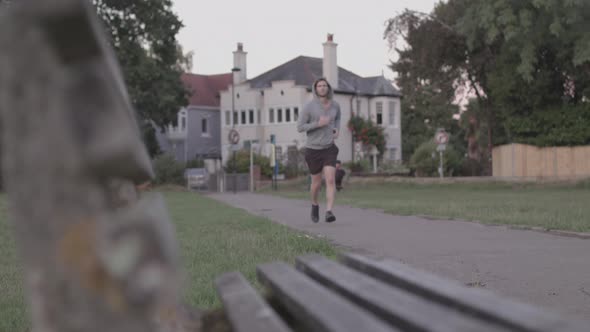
(317, 159)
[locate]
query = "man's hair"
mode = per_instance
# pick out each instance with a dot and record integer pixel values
(338, 162)
(315, 84)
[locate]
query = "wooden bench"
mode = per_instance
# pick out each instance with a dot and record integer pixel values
(358, 293)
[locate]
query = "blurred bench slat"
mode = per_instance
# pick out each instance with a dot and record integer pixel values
(358, 293)
(395, 305)
(313, 306)
(478, 303)
(247, 311)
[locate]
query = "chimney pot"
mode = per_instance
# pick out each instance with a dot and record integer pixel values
(330, 62)
(240, 62)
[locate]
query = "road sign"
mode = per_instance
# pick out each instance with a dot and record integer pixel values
(441, 137)
(233, 136)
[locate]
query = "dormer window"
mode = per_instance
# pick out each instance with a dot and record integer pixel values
(182, 120)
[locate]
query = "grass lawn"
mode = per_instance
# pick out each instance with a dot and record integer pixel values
(551, 206)
(213, 238)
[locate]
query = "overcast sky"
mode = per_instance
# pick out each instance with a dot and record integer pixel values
(276, 31)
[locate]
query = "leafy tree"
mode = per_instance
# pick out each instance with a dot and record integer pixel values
(542, 67)
(143, 35)
(429, 69)
(526, 62)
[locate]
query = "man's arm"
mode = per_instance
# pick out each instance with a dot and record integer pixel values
(303, 124)
(336, 127)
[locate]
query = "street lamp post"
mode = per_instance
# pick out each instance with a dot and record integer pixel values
(233, 110)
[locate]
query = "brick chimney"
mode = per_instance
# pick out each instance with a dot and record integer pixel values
(330, 64)
(240, 62)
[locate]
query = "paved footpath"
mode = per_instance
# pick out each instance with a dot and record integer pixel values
(547, 270)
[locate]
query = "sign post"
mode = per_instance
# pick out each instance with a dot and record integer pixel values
(441, 138)
(253, 144)
(273, 162)
(234, 139)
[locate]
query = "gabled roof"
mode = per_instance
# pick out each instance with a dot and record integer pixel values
(205, 88)
(305, 70)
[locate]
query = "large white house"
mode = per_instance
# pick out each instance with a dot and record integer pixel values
(269, 104)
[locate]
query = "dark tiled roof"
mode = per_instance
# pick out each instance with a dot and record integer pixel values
(305, 70)
(205, 88)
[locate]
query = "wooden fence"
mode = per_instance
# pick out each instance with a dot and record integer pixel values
(527, 161)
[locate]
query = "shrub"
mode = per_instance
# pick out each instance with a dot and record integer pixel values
(360, 166)
(242, 163)
(195, 163)
(366, 131)
(393, 167)
(425, 160)
(168, 170)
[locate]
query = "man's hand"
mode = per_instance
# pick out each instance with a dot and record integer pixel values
(336, 132)
(324, 120)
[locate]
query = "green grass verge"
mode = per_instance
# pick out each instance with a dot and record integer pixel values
(213, 238)
(551, 206)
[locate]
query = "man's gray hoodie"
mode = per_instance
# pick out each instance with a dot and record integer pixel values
(319, 137)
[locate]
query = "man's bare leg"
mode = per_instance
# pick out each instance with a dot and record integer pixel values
(329, 176)
(316, 185)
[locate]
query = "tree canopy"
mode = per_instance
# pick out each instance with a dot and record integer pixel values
(526, 64)
(143, 35)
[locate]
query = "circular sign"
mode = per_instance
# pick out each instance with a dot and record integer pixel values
(234, 136)
(441, 137)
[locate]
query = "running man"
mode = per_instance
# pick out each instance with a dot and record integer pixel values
(320, 119)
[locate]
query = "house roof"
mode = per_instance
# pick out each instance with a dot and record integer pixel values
(305, 70)
(205, 88)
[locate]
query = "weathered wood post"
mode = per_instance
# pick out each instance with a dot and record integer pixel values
(96, 256)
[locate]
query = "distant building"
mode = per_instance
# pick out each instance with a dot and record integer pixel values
(269, 104)
(197, 135)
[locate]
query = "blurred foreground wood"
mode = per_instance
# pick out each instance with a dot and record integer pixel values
(97, 256)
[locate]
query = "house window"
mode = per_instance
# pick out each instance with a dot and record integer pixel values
(183, 123)
(279, 115)
(251, 116)
(392, 153)
(243, 113)
(287, 115)
(227, 118)
(379, 107)
(295, 114)
(271, 115)
(259, 116)
(236, 118)
(204, 128)
(358, 106)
